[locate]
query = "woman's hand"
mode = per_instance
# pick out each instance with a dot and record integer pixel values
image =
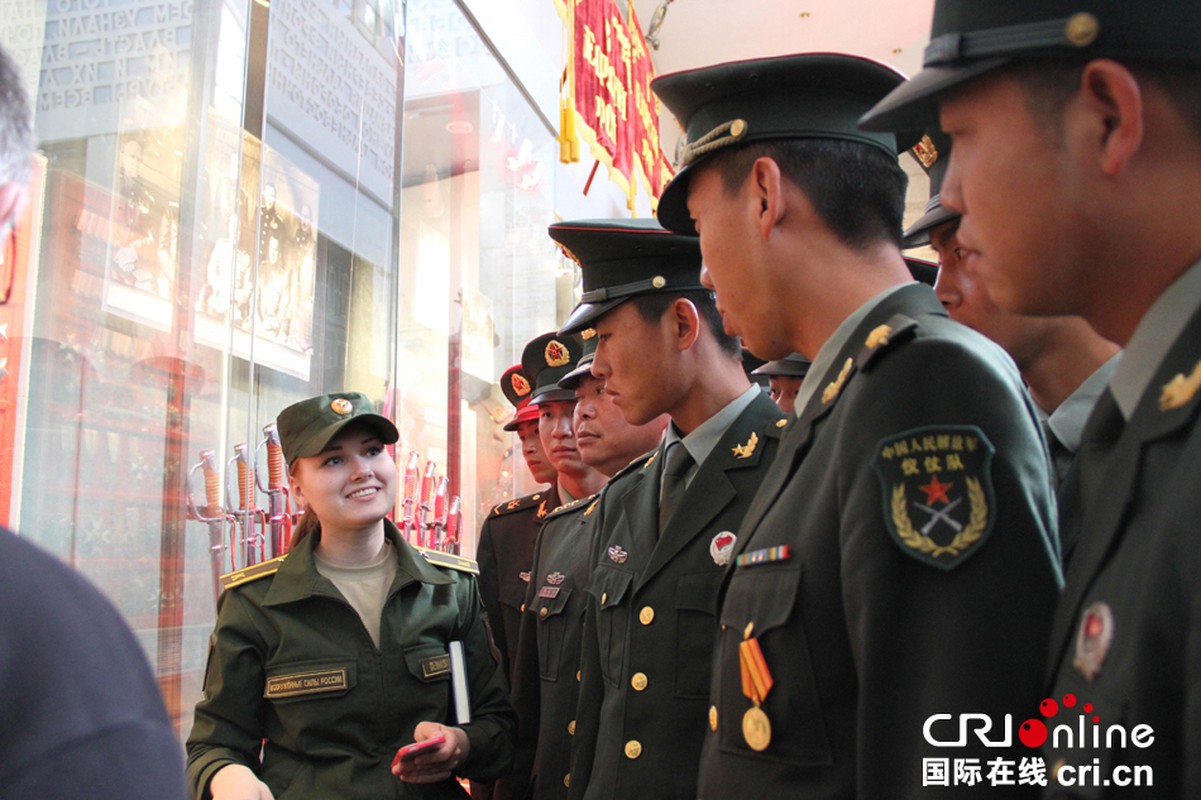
(237, 782)
(438, 763)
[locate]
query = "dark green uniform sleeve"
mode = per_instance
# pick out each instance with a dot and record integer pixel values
(493, 727)
(228, 725)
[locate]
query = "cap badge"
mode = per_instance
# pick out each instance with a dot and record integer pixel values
(587, 333)
(722, 547)
(617, 555)
(556, 354)
(926, 152)
(341, 406)
(835, 386)
(520, 385)
(658, 281)
(1082, 29)
(745, 450)
(1180, 390)
(1093, 639)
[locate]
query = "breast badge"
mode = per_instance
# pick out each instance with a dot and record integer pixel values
(722, 547)
(1093, 640)
(937, 492)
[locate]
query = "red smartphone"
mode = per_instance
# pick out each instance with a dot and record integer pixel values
(413, 749)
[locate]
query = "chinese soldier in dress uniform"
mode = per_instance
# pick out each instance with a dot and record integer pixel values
(898, 562)
(664, 527)
(1077, 166)
(545, 683)
(506, 543)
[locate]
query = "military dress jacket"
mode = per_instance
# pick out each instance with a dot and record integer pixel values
(1126, 638)
(505, 553)
(651, 616)
(293, 673)
(898, 563)
(545, 683)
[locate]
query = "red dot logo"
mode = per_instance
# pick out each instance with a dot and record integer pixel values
(1032, 733)
(1069, 700)
(1048, 708)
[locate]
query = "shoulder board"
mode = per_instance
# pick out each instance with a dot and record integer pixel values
(252, 573)
(448, 560)
(574, 505)
(517, 504)
(885, 338)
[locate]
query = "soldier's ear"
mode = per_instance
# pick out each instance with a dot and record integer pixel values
(687, 322)
(1114, 103)
(767, 183)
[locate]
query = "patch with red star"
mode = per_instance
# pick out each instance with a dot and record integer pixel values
(939, 504)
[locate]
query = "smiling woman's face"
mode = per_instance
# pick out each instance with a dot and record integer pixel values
(351, 484)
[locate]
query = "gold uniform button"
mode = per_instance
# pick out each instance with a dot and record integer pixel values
(523, 608)
(638, 681)
(571, 728)
(567, 780)
(577, 676)
(713, 717)
(647, 615)
(604, 597)
(633, 749)
(542, 612)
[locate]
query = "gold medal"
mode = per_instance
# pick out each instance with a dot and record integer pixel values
(756, 729)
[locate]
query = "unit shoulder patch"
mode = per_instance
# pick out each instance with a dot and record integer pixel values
(938, 500)
(449, 560)
(252, 573)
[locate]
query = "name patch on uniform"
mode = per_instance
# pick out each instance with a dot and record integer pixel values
(317, 682)
(549, 592)
(434, 666)
(937, 492)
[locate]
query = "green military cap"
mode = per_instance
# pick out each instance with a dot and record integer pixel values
(546, 359)
(517, 390)
(621, 258)
(969, 38)
(933, 153)
(305, 428)
(584, 366)
(793, 365)
(811, 95)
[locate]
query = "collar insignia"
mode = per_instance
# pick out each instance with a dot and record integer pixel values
(1180, 390)
(745, 450)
